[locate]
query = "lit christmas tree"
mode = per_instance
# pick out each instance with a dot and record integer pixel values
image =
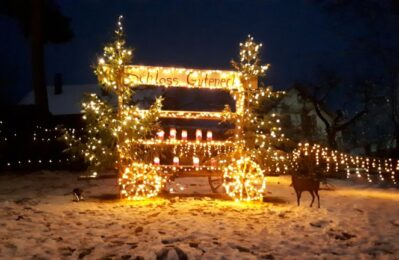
(261, 133)
(110, 132)
(257, 134)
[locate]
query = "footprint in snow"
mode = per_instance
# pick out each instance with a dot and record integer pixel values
(66, 251)
(171, 252)
(117, 243)
(85, 252)
(138, 230)
(320, 223)
(395, 223)
(132, 245)
(340, 235)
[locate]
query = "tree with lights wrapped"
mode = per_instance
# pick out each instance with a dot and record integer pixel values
(110, 131)
(257, 133)
(259, 130)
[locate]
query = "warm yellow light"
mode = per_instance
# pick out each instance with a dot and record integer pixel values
(196, 161)
(184, 134)
(209, 135)
(198, 134)
(161, 134)
(157, 160)
(172, 133)
(140, 181)
(175, 160)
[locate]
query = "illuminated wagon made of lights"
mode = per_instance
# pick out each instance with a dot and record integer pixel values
(200, 155)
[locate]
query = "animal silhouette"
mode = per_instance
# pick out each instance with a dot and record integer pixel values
(301, 184)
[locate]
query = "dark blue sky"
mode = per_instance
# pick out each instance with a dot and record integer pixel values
(297, 36)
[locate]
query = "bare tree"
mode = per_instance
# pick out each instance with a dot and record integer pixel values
(379, 44)
(319, 91)
(41, 22)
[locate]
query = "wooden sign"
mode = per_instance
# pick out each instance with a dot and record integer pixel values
(180, 77)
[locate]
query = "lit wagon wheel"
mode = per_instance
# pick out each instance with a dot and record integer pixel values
(140, 181)
(244, 180)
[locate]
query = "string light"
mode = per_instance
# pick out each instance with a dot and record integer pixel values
(325, 158)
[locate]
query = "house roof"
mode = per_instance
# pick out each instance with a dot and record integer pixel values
(68, 102)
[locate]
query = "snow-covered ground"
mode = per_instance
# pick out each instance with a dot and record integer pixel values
(39, 220)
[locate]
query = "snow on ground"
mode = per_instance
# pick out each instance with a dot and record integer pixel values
(39, 220)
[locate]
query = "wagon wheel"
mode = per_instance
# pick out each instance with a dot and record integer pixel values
(216, 183)
(140, 181)
(244, 180)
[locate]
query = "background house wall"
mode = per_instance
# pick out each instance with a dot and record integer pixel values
(300, 121)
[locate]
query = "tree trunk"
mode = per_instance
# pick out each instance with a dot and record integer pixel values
(396, 149)
(37, 56)
(331, 135)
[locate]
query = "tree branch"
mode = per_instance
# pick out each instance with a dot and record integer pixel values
(351, 121)
(320, 115)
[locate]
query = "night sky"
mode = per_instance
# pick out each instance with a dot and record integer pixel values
(297, 37)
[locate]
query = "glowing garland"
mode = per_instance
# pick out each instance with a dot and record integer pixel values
(204, 115)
